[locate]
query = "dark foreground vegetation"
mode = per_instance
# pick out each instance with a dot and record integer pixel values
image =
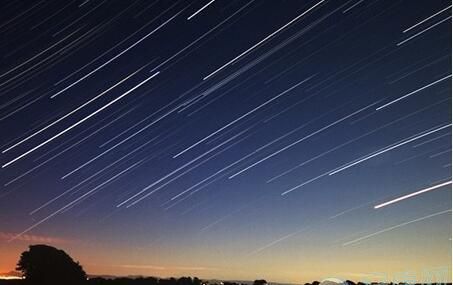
(46, 265)
(135, 281)
(125, 281)
(170, 281)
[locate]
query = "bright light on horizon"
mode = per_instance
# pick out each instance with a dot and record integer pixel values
(9, 277)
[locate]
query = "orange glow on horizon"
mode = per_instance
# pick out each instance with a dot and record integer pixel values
(9, 277)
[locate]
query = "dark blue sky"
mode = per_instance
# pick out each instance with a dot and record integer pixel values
(228, 139)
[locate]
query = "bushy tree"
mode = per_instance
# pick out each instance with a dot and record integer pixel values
(43, 264)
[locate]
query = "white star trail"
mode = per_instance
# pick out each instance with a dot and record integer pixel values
(426, 19)
(199, 10)
(79, 122)
(89, 178)
(141, 130)
(21, 14)
(21, 108)
(431, 140)
(388, 148)
(413, 92)
(440, 153)
(98, 57)
(84, 138)
(300, 140)
(422, 154)
(34, 66)
(73, 111)
(274, 243)
(202, 36)
(420, 68)
(365, 158)
(395, 227)
(305, 183)
(412, 194)
(209, 177)
(262, 41)
(114, 58)
(74, 201)
(100, 155)
(38, 54)
(174, 172)
(79, 18)
(352, 6)
(241, 117)
(354, 140)
(188, 170)
(423, 31)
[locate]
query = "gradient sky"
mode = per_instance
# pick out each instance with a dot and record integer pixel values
(229, 139)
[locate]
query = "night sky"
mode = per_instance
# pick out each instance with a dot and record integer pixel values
(228, 139)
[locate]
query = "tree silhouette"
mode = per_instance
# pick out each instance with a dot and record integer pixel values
(43, 264)
(184, 281)
(196, 281)
(260, 282)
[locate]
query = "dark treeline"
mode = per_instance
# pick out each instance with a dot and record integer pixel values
(180, 281)
(46, 265)
(121, 281)
(127, 281)
(144, 281)
(139, 281)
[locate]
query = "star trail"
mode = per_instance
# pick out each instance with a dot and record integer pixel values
(225, 135)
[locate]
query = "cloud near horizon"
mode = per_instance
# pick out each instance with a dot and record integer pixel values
(157, 267)
(33, 238)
